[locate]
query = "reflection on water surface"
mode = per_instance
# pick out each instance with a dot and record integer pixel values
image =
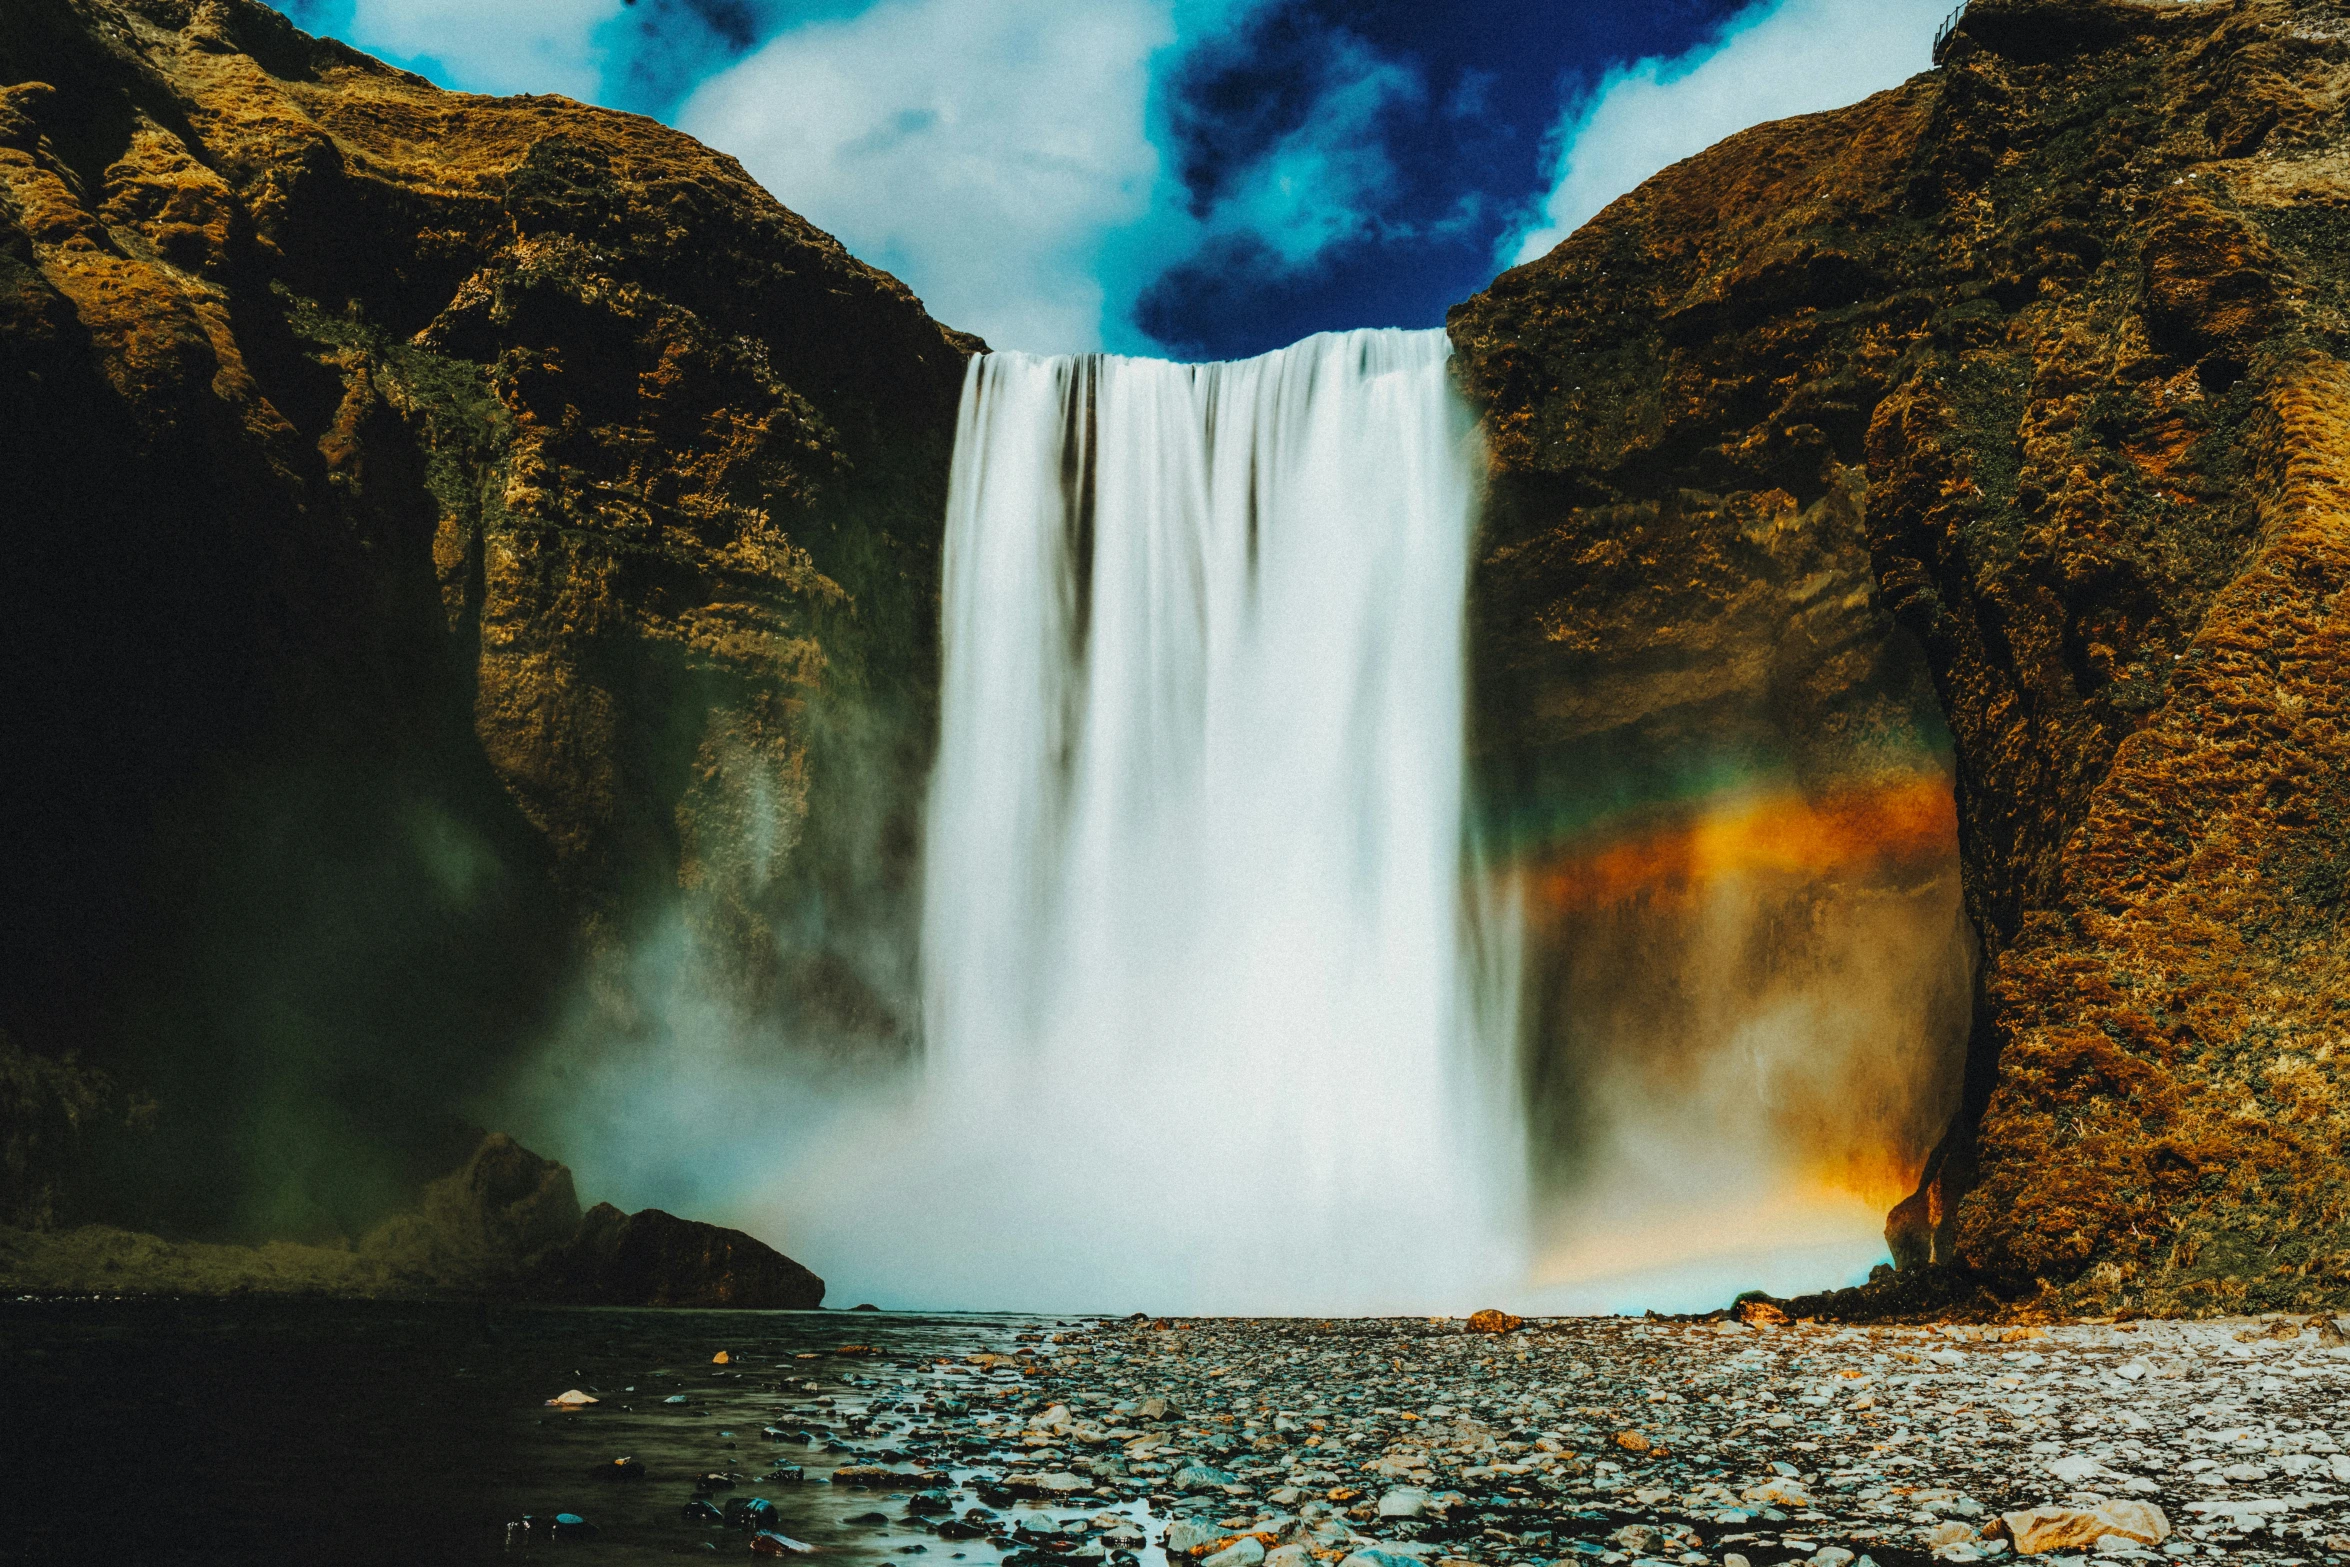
(366, 1432)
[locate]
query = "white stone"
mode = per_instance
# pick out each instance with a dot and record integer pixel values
(1247, 1551)
(2039, 1530)
(1186, 1535)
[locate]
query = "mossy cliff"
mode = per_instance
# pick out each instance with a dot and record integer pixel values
(455, 546)
(2057, 334)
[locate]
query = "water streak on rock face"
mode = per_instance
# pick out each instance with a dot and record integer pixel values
(1194, 915)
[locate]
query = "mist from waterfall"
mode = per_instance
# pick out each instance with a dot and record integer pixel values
(1220, 1008)
(1206, 1022)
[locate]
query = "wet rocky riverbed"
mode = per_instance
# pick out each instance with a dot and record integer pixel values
(1624, 1441)
(424, 1434)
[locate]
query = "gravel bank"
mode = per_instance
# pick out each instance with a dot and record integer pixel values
(1291, 1442)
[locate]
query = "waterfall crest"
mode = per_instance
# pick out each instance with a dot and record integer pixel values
(1204, 1022)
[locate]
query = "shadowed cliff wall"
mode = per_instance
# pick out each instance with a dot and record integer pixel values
(452, 542)
(2055, 334)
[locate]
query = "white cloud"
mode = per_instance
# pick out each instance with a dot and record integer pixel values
(1775, 60)
(982, 150)
(543, 46)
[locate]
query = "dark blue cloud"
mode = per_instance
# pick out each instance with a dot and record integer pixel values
(1446, 152)
(668, 46)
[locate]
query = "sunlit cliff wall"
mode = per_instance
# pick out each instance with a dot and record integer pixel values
(2055, 335)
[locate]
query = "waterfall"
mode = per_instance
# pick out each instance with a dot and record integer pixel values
(1205, 1022)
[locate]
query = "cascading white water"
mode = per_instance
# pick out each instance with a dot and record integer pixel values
(1213, 1016)
(1201, 1021)
(1214, 1019)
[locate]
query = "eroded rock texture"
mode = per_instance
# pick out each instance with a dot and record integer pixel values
(455, 546)
(2060, 329)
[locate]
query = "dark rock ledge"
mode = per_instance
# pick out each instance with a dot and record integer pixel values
(505, 1225)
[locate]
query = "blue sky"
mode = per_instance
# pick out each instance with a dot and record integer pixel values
(1206, 178)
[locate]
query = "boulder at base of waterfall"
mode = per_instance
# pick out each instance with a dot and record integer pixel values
(2040, 1530)
(652, 1258)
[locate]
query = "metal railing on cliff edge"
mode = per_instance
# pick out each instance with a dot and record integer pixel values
(1949, 27)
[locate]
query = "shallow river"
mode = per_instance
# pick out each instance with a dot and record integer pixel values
(366, 1432)
(260, 1431)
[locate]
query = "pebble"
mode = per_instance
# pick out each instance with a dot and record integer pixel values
(2041, 1530)
(1200, 1477)
(769, 1543)
(1246, 1551)
(1185, 1535)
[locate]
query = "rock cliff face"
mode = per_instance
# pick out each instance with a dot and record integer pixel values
(2056, 335)
(456, 545)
